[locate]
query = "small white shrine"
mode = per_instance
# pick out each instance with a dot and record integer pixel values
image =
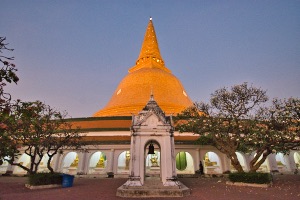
(152, 129)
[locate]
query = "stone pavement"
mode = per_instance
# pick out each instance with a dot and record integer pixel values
(285, 187)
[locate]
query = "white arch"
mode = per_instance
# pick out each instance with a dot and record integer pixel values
(212, 163)
(97, 163)
(43, 164)
(123, 162)
(297, 159)
(70, 164)
(190, 168)
(3, 167)
(25, 160)
(280, 161)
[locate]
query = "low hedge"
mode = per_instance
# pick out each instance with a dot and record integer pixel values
(45, 179)
(260, 178)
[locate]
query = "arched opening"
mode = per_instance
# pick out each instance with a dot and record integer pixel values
(212, 163)
(43, 164)
(241, 160)
(97, 163)
(281, 165)
(25, 161)
(123, 162)
(70, 163)
(3, 167)
(153, 163)
(184, 163)
(297, 159)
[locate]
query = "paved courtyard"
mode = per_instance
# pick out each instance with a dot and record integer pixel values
(285, 187)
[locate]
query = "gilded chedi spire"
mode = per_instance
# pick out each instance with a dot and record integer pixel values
(149, 75)
(149, 55)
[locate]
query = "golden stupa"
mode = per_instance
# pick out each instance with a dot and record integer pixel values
(148, 76)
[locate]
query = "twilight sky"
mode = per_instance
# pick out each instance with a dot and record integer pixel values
(73, 54)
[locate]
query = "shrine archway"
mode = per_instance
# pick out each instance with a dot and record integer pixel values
(43, 164)
(25, 161)
(184, 163)
(97, 163)
(123, 163)
(70, 163)
(152, 161)
(3, 167)
(297, 159)
(280, 161)
(212, 164)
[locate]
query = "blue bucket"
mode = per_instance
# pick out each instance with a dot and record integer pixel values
(67, 180)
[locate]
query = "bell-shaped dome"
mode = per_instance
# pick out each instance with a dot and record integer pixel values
(148, 76)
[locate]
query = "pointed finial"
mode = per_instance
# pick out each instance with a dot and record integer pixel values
(151, 94)
(149, 53)
(150, 45)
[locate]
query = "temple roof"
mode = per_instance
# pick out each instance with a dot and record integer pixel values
(148, 76)
(153, 106)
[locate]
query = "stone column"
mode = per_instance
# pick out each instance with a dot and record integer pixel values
(81, 163)
(135, 159)
(57, 162)
(197, 160)
(225, 162)
(86, 161)
(271, 162)
(293, 166)
(288, 162)
(110, 167)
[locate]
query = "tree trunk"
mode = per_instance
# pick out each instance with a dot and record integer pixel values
(49, 163)
(21, 166)
(229, 150)
(31, 169)
(254, 165)
(51, 155)
(235, 162)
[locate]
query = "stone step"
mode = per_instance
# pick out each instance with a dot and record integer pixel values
(153, 187)
(153, 192)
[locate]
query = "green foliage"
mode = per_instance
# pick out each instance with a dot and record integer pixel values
(7, 75)
(7, 70)
(205, 140)
(226, 121)
(41, 130)
(235, 120)
(260, 178)
(45, 179)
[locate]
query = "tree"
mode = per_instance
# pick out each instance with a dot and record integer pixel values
(277, 130)
(7, 72)
(226, 119)
(7, 75)
(235, 121)
(38, 129)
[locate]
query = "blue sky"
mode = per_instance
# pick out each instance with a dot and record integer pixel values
(73, 54)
